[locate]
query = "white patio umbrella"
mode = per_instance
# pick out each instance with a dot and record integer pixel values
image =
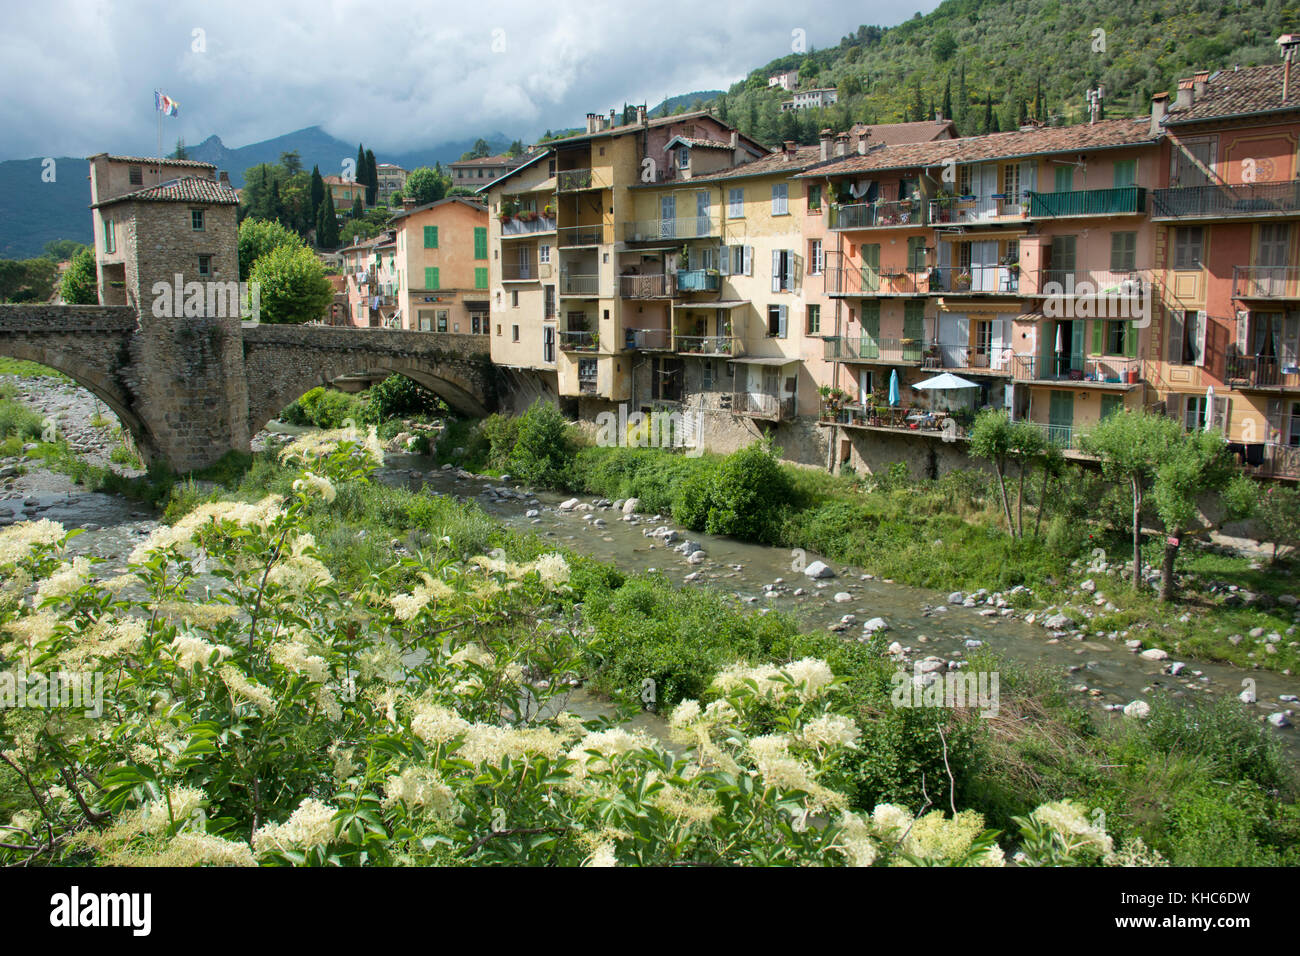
(945, 383)
(1209, 408)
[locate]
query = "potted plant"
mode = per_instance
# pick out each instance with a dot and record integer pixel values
(963, 280)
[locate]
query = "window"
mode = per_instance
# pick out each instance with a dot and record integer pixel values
(1117, 334)
(548, 344)
(814, 199)
(110, 236)
(814, 320)
(514, 333)
(1123, 251)
(1125, 172)
(736, 203)
(1110, 404)
(205, 265)
(431, 237)
(1011, 181)
(480, 243)
(965, 180)
(1188, 247)
(683, 157)
(431, 278)
(781, 199)
(514, 298)
(196, 220)
(548, 309)
(816, 257)
(738, 260)
(136, 175)
(916, 254)
(442, 320)
(1194, 412)
(480, 277)
(1064, 179)
(784, 270)
(544, 254)
(776, 321)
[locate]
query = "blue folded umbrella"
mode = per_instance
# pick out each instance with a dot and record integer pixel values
(894, 396)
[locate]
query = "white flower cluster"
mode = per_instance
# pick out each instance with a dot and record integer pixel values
(312, 484)
(181, 534)
(807, 679)
(311, 825)
(18, 540)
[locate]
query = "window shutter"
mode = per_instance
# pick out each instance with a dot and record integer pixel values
(431, 237)
(1175, 337)
(1201, 322)
(776, 268)
(480, 278)
(1098, 336)
(1219, 414)
(1131, 334)
(1243, 327)
(480, 242)
(749, 260)
(431, 277)
(1273, 419)
(793, 270)
(782, 321)
(725, 265)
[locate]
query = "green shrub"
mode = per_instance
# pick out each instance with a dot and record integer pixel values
(748, 495)
(542, 451)
(494, 441)
(398, 395)
(19, 421)
(694, 497)
(325, 408)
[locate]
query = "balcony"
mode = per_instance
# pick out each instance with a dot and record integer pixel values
(587, 286)
(1277, 461)
(1113, 372)
(1083, 283)
(1067, 437)
(688, 227)
(579, 340)
(709, 345)
(526, 227)
(648, 340)
(857, 281)
(1120, 201)
(1265, 282)
(1238, 200)
(977, 359)
(698, 280)
(772, 408)
(587, 235)
(1260, 372)
(879, 215)
(572, 180)
(519, 271)
(873, 350)
(645, 287)
(975, 280)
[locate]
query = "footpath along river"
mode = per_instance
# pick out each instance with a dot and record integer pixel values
(923, 623)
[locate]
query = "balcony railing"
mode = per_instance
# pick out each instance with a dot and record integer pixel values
(992, 279)
(1119, 201)
(1063, 436)
(686, 227)
(649, 340)
(569, 180)
(1077, 283)
(521, 227)
(698, 280)
(579, 340)
(709, 345)
(519, 271)
(873, 349)
(949, 355)
(587, 235)
(976, 209)
(879, 215)
(1277, 461)
(1106, 370)
(1260, 371)
(768, 407)
(855, 281)
(588, 285)
(644, 287)
(1218, 201)
(1265, 282)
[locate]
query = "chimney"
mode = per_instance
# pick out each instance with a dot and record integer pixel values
(611, 120)
(1186, 94)
(1200, 80)
(591, 122)
(825, 137)
(1287, 44)
(223, 177)
(1159, 107)
(788, 152)
(408, 202)
(841, 144)
(640, 115)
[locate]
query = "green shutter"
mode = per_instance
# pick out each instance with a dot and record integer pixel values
(480, 244)
(431, 277)
(1131, 340)
(431, 237)
(1098, 336)
(480, 277)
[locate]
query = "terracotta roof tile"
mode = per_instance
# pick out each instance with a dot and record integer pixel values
(155, 161)
(1239, 92)
(187, 189)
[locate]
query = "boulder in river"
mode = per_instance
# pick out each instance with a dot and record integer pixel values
(956, 597)
(875, 625)
(843, 597)
(1154, 654)
(630, 506)
(819, 569)
(1138, 709)
(569, 505)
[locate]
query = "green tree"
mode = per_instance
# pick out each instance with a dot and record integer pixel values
(292, 162)
(293, 285)
(516, 148)
(180, 152)
(991, 439)
(357, 209)
(1132, 445)
(27, 280)
(61, 250)
(1198, 465)
(424, 185)
(943, 46)
(327, 224)
(257, 237)
(317, 192)
(748, 495)
(542, 450)
(372, 178)
(1277, 517)
(80, 285)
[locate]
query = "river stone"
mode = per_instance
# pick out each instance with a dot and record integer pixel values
(1138, 709)
(956, 597)
(874, 625)
(819, 569)
(1088, 586)
(843, 597)
(531, 513)
(1154, 654)
(931, 665)
(630, 506)
(1280, 719)
(569, 505)
(1057, 622)
(1247, 696)
(696, 557)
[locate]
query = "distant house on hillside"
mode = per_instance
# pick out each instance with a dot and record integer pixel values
(787, 81)
(812, 99)
(483, 170)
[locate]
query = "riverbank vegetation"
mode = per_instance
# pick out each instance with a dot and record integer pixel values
(383, 675)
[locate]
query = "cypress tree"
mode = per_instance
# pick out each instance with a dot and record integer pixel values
(989, 121)
(317, 191)
(327, 224)
(357, 209)
(372, 178)
(947, 98)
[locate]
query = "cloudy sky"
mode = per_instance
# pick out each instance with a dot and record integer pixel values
(79, 75)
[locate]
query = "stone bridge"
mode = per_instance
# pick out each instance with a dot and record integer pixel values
(191, 389)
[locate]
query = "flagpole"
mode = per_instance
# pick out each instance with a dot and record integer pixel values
(159, 112)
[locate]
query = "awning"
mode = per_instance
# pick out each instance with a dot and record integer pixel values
(946, 382)
(967, 305)
(721, 304)
(1031, 316)
(767, 360)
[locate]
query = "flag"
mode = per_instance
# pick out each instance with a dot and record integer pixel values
(165, 104)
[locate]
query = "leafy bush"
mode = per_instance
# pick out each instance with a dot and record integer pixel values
(19, 421)
(398, 395)
(694, 497)
(543, 450)
(325, 408)
(748, 495)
